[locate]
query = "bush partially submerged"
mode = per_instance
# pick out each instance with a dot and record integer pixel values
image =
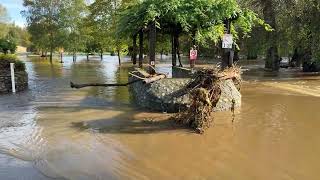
(6, 59)
(312, 66)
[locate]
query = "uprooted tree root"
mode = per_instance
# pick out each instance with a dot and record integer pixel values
(204, 94)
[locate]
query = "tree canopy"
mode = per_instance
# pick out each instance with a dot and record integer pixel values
(272, 28)
(205, 18)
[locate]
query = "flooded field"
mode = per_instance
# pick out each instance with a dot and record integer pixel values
(54, 132)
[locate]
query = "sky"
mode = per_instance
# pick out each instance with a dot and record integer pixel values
(14, 7)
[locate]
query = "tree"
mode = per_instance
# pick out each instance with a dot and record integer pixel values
(296, 26)
(100, 22)
(303, 29)
(3, 21)
(73, 16)
(10, 35)
(44, 23)
(103, 19)
(203, 20)
(272, 55)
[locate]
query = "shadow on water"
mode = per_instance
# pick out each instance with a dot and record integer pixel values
(110, 126)
(124, 125)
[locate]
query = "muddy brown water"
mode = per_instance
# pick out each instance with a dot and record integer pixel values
(54, 132)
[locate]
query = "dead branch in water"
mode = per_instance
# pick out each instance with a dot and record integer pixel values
(147, 80)
(79, 86)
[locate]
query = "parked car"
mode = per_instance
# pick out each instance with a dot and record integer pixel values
(284, 62)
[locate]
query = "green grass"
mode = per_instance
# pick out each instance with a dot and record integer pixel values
(6, 59)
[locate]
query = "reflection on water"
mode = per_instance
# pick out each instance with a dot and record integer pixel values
(54, 132)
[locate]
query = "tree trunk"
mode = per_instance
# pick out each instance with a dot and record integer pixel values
(101, 54)
(227, 54)
(61, 57)
(134, 50)
(194, 38)
(272, 57)
(119, 58)
(51, 54)
(297, 58)
(140, 48)
(87, 56)
(51, 47)
(177, 47)
(152, 46)
(236, 56)
(74, 56)
(174, 50)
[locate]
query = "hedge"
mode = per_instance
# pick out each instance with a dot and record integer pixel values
(6, 59)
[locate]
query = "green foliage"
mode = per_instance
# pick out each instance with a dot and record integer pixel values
(163, 44)
(12, 32)
(43, 18)
(205, 18)
(297, 25)
(6, 59)
(9, 57)
(56, 24)
(102, 22)
(7, 45)
(73, 16)
(305, 26)
(16, 34)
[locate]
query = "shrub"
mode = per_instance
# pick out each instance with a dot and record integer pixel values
(7, 45)
(6, 59)
(9, 57)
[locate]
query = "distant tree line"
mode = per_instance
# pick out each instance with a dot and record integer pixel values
(296, 34)
(10, 34)
(268, 28)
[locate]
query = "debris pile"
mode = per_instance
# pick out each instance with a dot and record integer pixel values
(205, 92)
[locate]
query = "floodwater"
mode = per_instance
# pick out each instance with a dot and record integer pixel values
(54, 132)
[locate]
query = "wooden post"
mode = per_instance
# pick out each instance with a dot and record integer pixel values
(134, 49)
(13, 83)
(140, 48)
(152, 46)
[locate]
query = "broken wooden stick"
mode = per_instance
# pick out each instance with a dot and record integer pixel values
(154, 78)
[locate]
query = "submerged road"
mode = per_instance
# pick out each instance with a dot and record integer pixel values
(54, 132)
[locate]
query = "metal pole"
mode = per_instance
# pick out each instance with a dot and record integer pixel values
(13, 83)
